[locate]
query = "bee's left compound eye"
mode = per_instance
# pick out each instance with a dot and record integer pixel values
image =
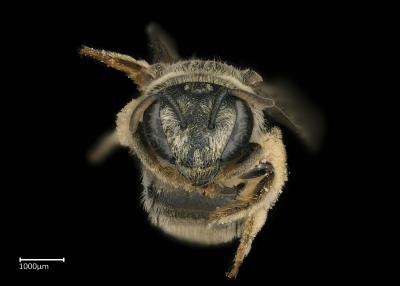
(241, 132)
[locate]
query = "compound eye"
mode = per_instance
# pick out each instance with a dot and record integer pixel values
(153, 134)
(241, 132)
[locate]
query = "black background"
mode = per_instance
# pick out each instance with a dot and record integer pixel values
(61, 103)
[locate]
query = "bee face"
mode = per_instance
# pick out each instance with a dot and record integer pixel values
(197, 127)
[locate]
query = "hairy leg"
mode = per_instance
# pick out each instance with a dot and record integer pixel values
(103, 148)
(253, 193)
(263, 174)
(252, 226)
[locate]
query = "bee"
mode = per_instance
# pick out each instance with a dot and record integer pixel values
(212, 155)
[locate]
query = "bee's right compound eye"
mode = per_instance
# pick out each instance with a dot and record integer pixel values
(153, 134)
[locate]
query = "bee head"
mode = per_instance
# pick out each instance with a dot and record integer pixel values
(193, 114)
(197, 127)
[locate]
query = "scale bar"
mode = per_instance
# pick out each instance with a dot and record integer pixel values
(42, 259)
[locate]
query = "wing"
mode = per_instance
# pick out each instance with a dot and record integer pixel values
(162, 45)
(294, 111)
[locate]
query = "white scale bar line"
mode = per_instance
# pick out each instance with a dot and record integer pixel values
(42, 259)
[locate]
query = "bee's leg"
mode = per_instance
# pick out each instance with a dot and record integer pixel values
(252, 155)
(263, 168)
(252, 226)
(103, 148)
(264, 177)
(253, 193)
